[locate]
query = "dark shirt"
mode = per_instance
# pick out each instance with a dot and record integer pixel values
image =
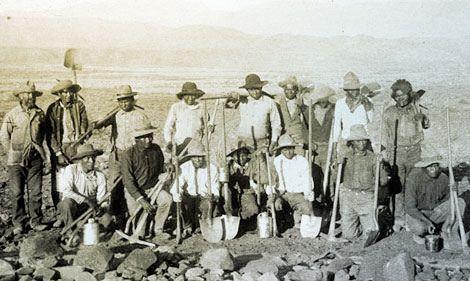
(423, 192)
(359, 172)
(239, 176)
(409, 130)
(140, 168)
(321, 132)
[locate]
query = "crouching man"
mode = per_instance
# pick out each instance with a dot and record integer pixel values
(193, 190)
(295, 185)
(427, 199)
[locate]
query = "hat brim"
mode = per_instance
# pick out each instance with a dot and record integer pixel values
(35, 93)
(356, 138)
(133, 94)
(74, 88)
(288, 145)
(261, 84)
(426, 163)
(95, 153)
(141, 133)
(249, 148)
(198, 94)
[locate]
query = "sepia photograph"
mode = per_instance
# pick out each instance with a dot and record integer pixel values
(244, 140)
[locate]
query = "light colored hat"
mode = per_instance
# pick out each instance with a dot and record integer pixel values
(195, 149)
(371, 89)
(291, 80)
(358, 132)
(124, 91)
(28, 87)
(240, 146)
(190, 88)
(351, 82)
(286, 141)
(427, 161)
(320, 92)
(146, 129)
(86, 150)
(65, 85)
(252, 81)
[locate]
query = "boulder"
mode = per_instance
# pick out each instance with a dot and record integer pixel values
(43, 273)
(6, 269)
(26, 278)
(400, 268)
(194, 272)
(268, 276)
(339, 264)
(305, 275)
(48, 262)
(138, 262)
(261, 266)
(217, 259)
(23, 271)
(251, 276)
(40, 246)
(69, 272)
(342, 275)
(85, 276)
(96, 258)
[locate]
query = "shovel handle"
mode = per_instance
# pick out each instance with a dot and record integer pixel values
(273, 209)
(331, 230)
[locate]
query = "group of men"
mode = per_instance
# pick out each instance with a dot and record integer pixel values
(267, 167)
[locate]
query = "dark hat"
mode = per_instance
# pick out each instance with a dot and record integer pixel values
(241, 145)
(190, 88)
(358, 132)
(144, 130)
(29, 87)
(86, 150)
(252, 81)
(428, 161)
(124, 91)
(65, 85)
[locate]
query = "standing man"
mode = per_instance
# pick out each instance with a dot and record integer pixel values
(357, 189)
(67, 120)
(403, 126)
(23, 137)
(141, 166)
(193, 186)
(185, 118)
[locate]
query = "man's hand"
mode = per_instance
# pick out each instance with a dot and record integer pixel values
(211, 128)
(46, 169)
(272, 146)
(278, 204)
(430, 227)
(147, 206)
(168, 146)
(310, 197)
(454, 187)
(177, 198)
(91, 203)
(62, 160)
(169, 168)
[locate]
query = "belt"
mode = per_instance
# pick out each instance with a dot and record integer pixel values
(357, 191)
(408, 147)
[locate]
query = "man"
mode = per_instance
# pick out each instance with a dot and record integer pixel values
(427, 199)
(357, 189)
(295, 185)
(293, 112)
(185, 118)
(123, 124)
(82, 185)
(141, 165)
(23, 137)
(351, 110)
(67, 120)
(403, 132)
(193, 186)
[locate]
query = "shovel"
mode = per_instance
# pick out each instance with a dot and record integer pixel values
(211, 228)
(72, 62)
(273, 208)
(310, 224)
(331, 231)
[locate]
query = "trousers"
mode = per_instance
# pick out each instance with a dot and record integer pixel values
(357, 212)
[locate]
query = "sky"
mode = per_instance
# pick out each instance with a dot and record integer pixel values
(378, 18)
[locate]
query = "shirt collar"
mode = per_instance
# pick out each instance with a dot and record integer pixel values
(90, 173)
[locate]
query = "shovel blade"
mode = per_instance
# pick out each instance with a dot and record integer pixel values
(372, 238)
(231, 224)
(71, 59)
(212, 230)
(310, 226)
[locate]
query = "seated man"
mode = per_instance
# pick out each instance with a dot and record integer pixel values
(295, 185)
(427, 199)
(357, 189)
(193, 186)
(141, 165)
(83, 186)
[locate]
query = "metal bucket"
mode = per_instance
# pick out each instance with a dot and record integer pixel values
(265, 225)
(91, 233)
(433, 243)
(223, 175)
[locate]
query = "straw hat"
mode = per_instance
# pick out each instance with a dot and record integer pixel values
(357, 132)
(124, 91)
(252, 81)
(351, 82)
(291, 80)
(190, 88)
(29, 87)
(320, 92)
(286, 141)
(65, 85)
(240, 146)
(427, 161)
(146, 129)
(86, 150)
(195, 149)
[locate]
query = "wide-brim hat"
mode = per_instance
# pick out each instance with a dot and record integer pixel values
(28, 87)
(190, 88)
(320, 92)
(291, 80)
(286, 141)
(240, 146)
(65, 85)
(144, 130)
(358, 132)
(427, 161)
(195, 149)
(252, 81)
(351, 82)
(124, 91)
(86, 150)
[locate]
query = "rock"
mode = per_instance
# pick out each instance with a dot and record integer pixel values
(179, 278)
(69, 272)
(26, 278)
(96, 258)
(299, 267)
(154, 277)
(305, 275)
(236, 276)
(174, 271)
(6, 269)
(110, 274)
(251, 276)
(194, 272)
(338, 264)
(354, 270)
(43, 273)
(162, 267)
(457, 276)
(217, 259)
(426, 276)
(342, 275)
(268, 276)
(261, 266)
(165, 249)
(40, 246)
(24, 271)
(47, 262)
(215, 275)
(85, 276)
(138, 261)
(400, 268)
(441, 275)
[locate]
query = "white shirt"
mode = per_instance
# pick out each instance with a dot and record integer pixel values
(126, 122)
(345, 119)
(187, 180)
(186, 120)
(78, 185)
(293, 174)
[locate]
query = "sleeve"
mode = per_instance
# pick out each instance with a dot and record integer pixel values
(337, 126)
(388, 129)
(411, 196)
(101, 192)
(128, 178)
(83, 118)
(181, 182)
(170, 123)
(277, 164)
(5, 132)
(275, 119)
(370, 111)
(52, 130)
(68, 185)
(215, 188)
